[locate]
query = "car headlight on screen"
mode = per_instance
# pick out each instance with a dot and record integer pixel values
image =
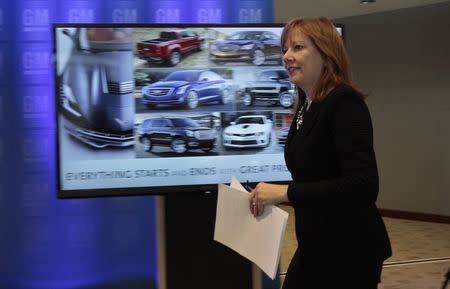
(190, 133)
(182, 89)
(247, 46)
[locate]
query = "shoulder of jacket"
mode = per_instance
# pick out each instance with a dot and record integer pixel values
(343, 94)
(343, 100)
(343, 91)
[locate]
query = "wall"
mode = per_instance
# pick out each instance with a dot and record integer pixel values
(401, 59)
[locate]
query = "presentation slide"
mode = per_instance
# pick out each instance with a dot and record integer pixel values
(169, 106)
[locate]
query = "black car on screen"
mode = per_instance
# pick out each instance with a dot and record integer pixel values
(255, 47)
(178, 133)
(271, 86)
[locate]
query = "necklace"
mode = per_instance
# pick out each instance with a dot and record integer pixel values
(301, 113)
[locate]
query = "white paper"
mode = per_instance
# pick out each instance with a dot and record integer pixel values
(257, 239)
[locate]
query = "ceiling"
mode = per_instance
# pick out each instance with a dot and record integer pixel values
(333, 9)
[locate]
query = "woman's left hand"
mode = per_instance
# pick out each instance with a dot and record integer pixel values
(266, 194)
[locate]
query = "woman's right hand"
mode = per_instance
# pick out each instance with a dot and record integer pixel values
(266, 194)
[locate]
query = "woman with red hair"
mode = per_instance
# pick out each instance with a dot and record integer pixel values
(342, 240)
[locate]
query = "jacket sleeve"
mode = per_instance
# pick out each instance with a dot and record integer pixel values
(352, 137)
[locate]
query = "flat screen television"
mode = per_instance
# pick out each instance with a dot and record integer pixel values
(154, 109)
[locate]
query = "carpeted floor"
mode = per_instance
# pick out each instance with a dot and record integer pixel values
(421, 253)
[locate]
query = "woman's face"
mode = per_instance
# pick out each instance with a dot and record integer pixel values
(302, 60)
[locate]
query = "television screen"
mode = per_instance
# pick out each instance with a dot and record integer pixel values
(152, 109)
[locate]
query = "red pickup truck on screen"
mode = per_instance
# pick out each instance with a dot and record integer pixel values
(169, 47)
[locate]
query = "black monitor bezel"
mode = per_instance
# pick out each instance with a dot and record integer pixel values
(138, 191)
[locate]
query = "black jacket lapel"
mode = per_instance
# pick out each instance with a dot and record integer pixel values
(309, 119)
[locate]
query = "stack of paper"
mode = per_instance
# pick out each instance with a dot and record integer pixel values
(257, 239)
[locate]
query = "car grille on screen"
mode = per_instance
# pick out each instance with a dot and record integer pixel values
(244, 142)
(106, 135)
(204, 134)
(257, 89)
(243, 134)
(159, 91)
(120, 87)
(228, 48)
(110, 137)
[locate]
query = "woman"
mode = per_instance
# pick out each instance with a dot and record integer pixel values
(329, 152)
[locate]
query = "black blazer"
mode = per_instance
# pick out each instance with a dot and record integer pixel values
(335, 183)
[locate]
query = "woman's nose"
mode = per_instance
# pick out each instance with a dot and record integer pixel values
(287, 56)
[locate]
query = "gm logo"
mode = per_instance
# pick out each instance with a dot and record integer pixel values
(167, 15)
(3, 64)
(36, 149)
(35, 233)
(35, 105)
(80, 232)
(126, 226)
(35, 195)
(1, 19)
(81, 15)
(209, 15)
(124, 15)
(247, 15)
(35, 19)
(35, 62)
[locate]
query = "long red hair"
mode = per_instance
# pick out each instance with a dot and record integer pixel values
(326, 39)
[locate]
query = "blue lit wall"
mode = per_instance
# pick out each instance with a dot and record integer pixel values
(91, 243)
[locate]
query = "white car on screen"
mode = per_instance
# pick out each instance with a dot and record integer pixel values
(248, 131)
